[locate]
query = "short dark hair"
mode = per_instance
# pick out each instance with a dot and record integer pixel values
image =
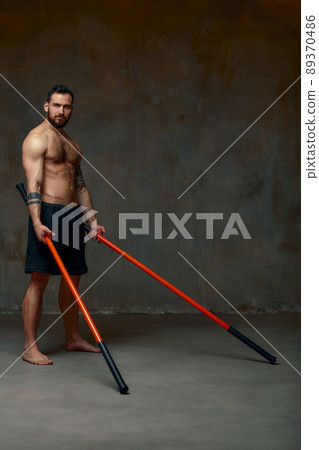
(61, 89)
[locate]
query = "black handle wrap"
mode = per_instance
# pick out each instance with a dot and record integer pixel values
(116, 374)
(87, 227)
(22, 191)
(251, 344)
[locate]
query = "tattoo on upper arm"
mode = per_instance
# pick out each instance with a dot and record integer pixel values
(79, 180)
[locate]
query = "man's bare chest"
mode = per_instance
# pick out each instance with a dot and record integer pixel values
(62, 150)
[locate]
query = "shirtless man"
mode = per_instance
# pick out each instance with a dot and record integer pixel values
(54, 179)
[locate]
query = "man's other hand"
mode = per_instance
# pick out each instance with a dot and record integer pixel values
(96, 229)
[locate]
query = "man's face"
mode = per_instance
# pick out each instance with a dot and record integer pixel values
(59, 109)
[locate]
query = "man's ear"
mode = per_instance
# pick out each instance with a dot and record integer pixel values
(46, 106)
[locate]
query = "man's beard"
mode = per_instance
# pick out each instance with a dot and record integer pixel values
(56, 123)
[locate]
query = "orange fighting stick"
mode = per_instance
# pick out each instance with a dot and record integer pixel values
(251, 344)
(107, 356)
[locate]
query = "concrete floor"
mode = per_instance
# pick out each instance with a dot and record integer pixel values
(192, 386)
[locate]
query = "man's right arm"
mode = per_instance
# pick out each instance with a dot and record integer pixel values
(33, 152)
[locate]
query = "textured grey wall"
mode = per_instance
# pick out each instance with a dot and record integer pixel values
(162, 89)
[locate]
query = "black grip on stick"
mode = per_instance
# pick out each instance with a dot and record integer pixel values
(87, 227)
(22, 191)
(112, 366)
(251, 344)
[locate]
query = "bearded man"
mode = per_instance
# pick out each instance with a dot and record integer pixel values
(51, 161)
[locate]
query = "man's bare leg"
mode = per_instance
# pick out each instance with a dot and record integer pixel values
(31, 311)
(74, 342)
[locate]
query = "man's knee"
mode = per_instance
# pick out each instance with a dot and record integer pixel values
(39, 280)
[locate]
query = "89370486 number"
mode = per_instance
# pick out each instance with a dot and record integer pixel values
(310, 45)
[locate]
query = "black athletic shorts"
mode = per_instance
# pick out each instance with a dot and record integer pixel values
(40, 259)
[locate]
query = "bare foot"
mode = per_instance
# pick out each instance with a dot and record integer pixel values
(81, 345)
(34, 356)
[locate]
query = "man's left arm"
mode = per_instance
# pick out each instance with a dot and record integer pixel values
(84, 199)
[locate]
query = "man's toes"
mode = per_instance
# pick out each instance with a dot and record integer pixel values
(46, 361)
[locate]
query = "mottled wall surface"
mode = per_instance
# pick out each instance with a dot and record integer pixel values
(162, 89)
